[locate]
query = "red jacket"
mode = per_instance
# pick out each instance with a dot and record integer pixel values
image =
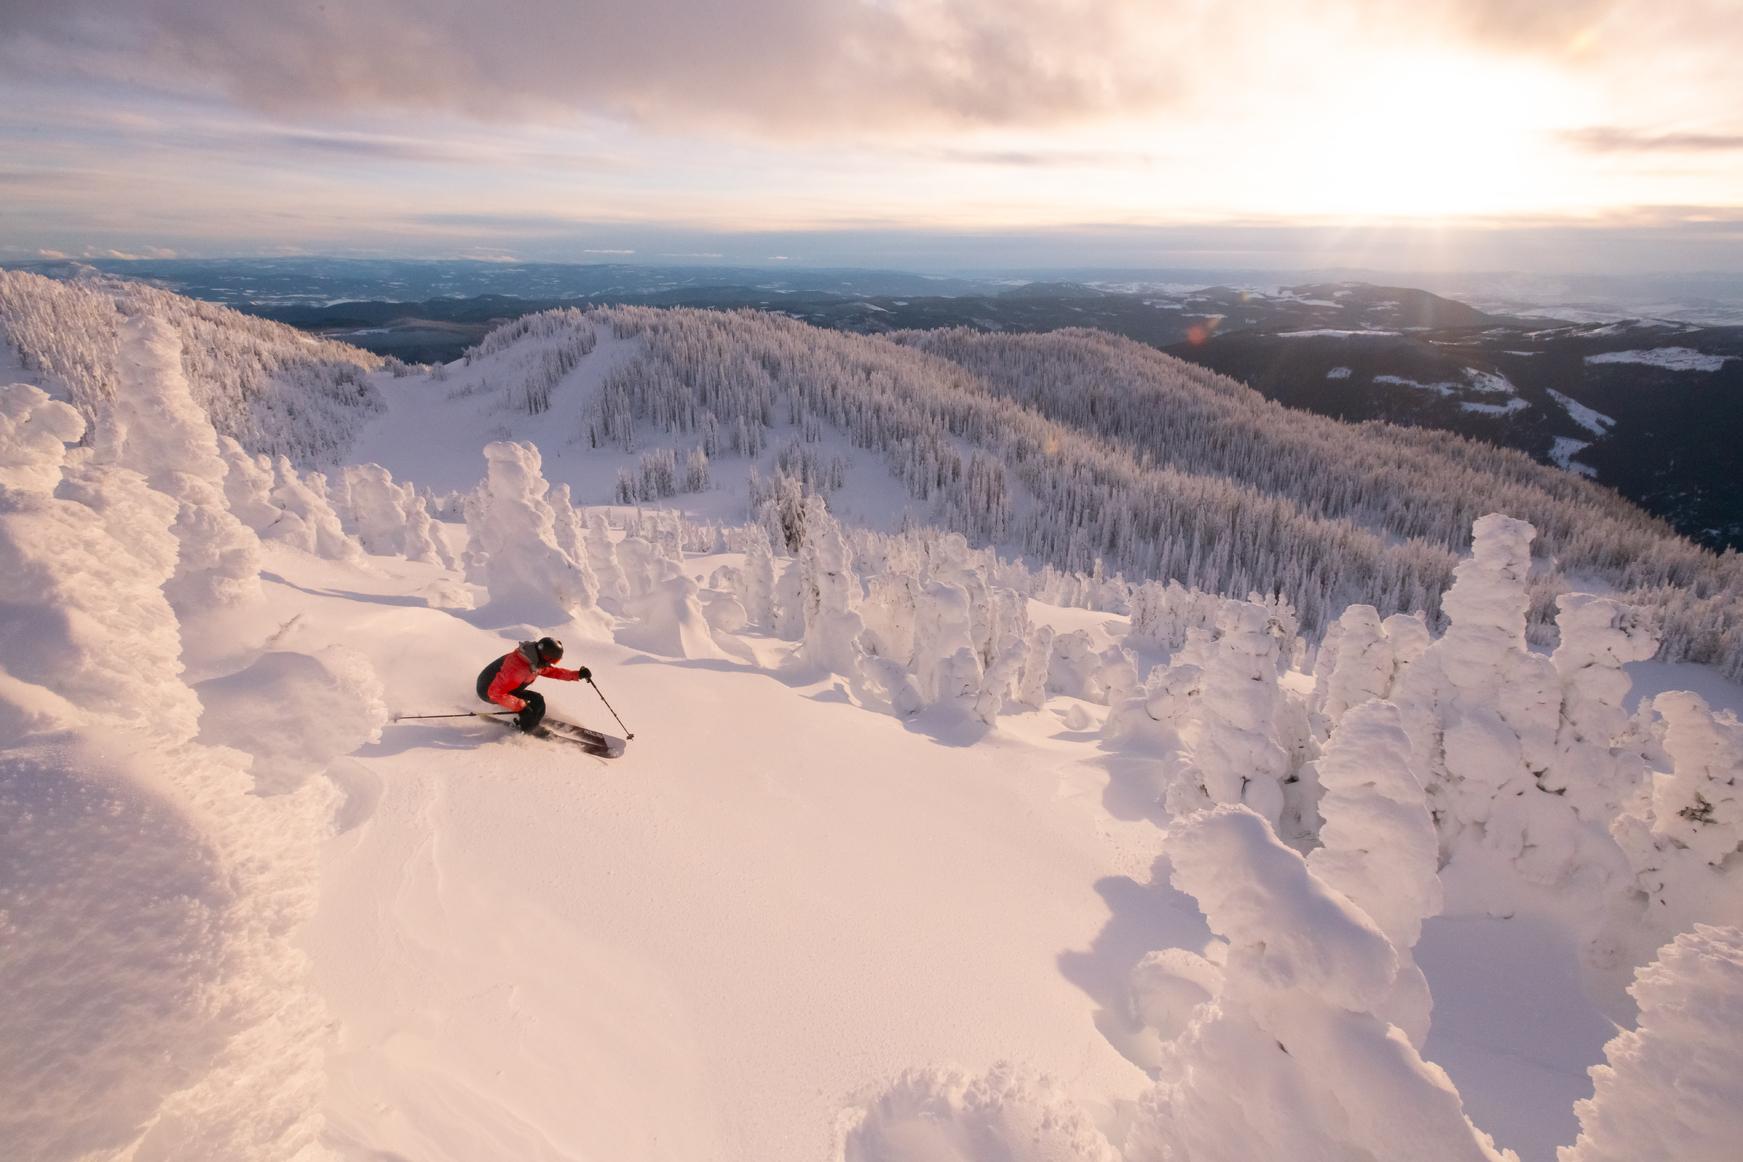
(518, 670)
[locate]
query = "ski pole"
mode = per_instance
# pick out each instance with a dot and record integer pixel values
(628, 733)
(467, 714)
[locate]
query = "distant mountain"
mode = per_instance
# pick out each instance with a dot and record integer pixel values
(280, 281)
(1659, 429)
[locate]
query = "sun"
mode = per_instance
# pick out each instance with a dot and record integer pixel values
(1424, 138)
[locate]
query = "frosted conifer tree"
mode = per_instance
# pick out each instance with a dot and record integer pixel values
(1599, 636)
(946, 664)
(1378, 844)
(1681, 831)
(306, 520)
(86, 558)
(1482, 711)
(1297, 1013)
(1227, 701)
(154, 427)
(831, 597)
(602, 559)
(758, 578)
(530, 579)
(1668, 1087)
(248, 483)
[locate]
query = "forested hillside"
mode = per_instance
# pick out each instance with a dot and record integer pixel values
(270, 386)
(1078, 447)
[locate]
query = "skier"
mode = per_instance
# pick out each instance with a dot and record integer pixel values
(506, 680)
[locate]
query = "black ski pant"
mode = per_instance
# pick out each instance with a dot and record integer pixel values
(535, 709)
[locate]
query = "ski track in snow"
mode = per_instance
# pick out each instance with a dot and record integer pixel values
(703, 949)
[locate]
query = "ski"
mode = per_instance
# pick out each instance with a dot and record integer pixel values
(592, 741)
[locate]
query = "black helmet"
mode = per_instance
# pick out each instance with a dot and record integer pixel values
(550, 650)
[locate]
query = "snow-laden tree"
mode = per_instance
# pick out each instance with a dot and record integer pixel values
(529, 578)
(306, 521)
(758, 593)
(1077, 669)
(389, 519)
(1031, 688)
(831, 597)
(1482, 710)
(1222, 698)
(272, 387)
(1082, 448)
(570, 526)
(1291, 1058)
(86, 553)
(248, 484)
(601, 555)
(1668, 1087)
(175, 990)
(642, 564)
(34, 432)
(1007, 653)
(668, 619)
(1592, 765)
(1681, 830)
(1378, 845)
(154, 427)
(1362, 657)
(947, 667)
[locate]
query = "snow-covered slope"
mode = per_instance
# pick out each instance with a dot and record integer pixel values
(1068, 448)
(919, 852)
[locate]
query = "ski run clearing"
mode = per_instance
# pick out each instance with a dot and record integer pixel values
(920, 853)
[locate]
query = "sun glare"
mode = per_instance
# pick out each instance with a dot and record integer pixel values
(1425, 138)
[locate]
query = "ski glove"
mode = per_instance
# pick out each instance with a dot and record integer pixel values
(584, 674)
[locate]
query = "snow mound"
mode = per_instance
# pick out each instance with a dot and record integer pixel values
(111, 940)
(1669, 1088)
(944, 1115)
(669, 620)
(1290, 1060)
(295, 713)
(34, 432)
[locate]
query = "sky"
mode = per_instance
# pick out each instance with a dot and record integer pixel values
(1554, 135)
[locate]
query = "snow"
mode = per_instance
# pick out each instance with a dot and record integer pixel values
(1437, 388)
(1496, 409)
(906, 862)
(1669, 358)
(1563, 451)
(1490, 381)
(1338, 373)
(1332, 333)
(1684, 1056)
(1253, 1075)
(775, 899)
(1590, 419)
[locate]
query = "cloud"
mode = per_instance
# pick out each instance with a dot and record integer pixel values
(51, 254)
(781, 66)
(364, 147)
(1614, 139)
(1037, 158)
(130, 255)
